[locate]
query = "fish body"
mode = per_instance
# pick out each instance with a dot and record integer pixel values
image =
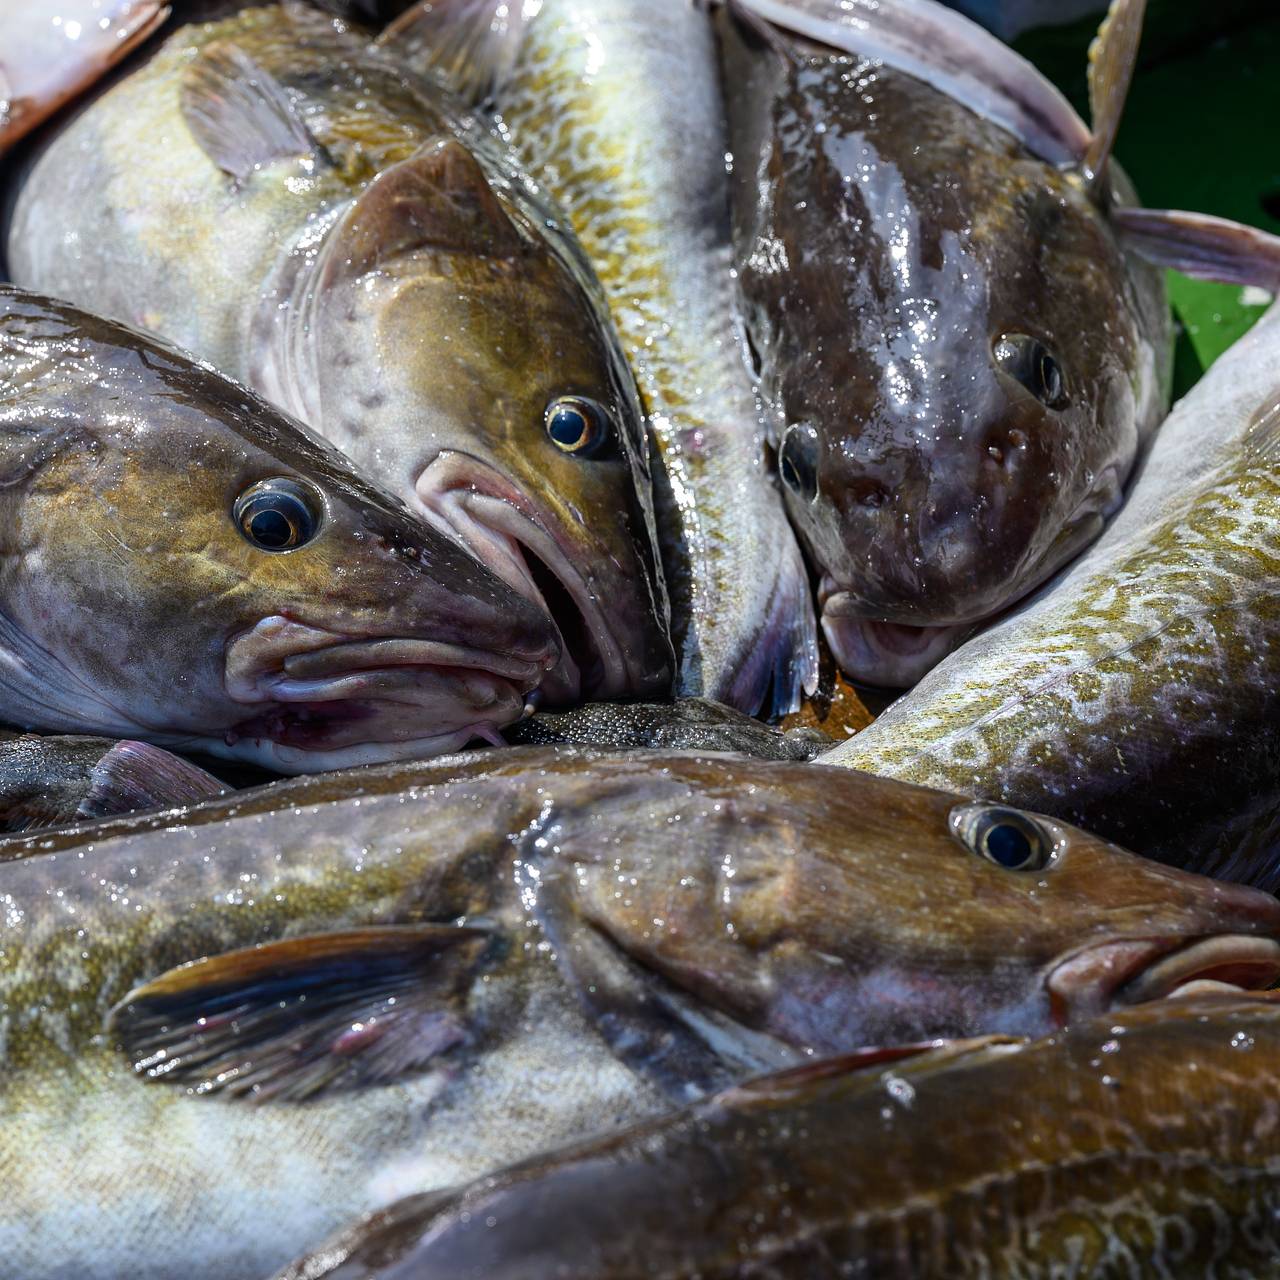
(964, 360)
(614, 106)
(1136, 1144)
(1138, 693)
(336, 233)
(187, 565)
(232, 1029)
(49, 781)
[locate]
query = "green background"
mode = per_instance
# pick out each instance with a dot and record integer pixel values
(1201, 131)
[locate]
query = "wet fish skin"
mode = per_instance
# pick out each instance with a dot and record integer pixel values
(827, 877)
(1140, 1142)
(51, 780)
(133, 606)
(688, 724)
(336, 233)
(1138, 694)
(902, 323)
(614, 106)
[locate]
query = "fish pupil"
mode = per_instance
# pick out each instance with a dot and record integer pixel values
(271, 529)
(279, 514)
(568, 427)
(1008, 846)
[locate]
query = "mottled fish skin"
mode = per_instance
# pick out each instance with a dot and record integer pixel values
(614, 106)
(767, 912)
(905, 321)
(1141, 692)
(1140, 1144)
(335, 232)
(51, 52)
(134, 604)
(56, 779)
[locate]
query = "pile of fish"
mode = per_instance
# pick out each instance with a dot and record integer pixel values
(519, 420)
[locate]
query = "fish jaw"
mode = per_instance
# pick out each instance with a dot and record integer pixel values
(509, 532)
(322, 699)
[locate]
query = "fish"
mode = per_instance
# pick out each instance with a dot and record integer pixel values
(186, 565)
(1140, 1143)
(614, 107)
(56, 779)
(956, 305)
(230, 1030)
(334, 232)
(50, 53)
(688, 724)
(1139, 693)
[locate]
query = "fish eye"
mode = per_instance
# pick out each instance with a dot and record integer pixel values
(798, 461)
(281, 514)
(577, 425)
(1030, 362)
(1009, 838)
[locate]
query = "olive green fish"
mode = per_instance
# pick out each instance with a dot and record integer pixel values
(225, 1032)
(335, 232)
(614, 105)
(1137, 1144)
(1140, 694)
(187, 565)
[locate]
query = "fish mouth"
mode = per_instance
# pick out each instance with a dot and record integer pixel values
(473, 503)
(1116, 974)
(328, 700)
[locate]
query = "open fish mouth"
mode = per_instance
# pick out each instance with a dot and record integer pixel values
(1115, 974)
(321, 697)
(476, 505)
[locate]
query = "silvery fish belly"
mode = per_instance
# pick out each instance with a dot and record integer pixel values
(1139, 1145)
(276, 196)
(1141, 693)
(964, 360)
(188, 565)
(614, 105)
(232, 1029)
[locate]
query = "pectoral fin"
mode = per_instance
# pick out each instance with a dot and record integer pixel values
(317, 1014)
(437, 199)
(136, 775)
(470, 46)
(1201, 245)
(1113, 55)
(242, 116)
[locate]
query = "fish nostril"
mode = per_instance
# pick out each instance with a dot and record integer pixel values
(868, 492)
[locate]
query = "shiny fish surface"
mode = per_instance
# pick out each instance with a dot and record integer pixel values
(333, 231)
(1139, 693)
(964, 361)
(1138, 1144)
(229, 1031)
(187, 565)
(614, 106)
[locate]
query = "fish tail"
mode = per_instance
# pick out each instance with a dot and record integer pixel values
(136, 775)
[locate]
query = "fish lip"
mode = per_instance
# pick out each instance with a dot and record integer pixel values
(347, 656)
(458, 492)
(1122, 972)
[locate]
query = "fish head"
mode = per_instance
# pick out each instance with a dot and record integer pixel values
(826, 915)
(474, 369)
(959, 363)
(190, 565)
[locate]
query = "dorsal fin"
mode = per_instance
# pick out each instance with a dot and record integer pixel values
(1113, 55)
(470, 46)
(241, 115)
(1200, 245)
(437, 199)
(295, 1018)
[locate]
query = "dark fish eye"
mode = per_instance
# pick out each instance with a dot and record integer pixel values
(577, 425)
(1030, 362)
(798, 461)
(280, 514)
(1007, 837)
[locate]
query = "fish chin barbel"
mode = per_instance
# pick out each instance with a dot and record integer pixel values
(187, 565)
(951, 299)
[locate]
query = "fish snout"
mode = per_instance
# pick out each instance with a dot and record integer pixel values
(612, 638)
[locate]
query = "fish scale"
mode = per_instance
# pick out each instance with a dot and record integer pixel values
(650, 206)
